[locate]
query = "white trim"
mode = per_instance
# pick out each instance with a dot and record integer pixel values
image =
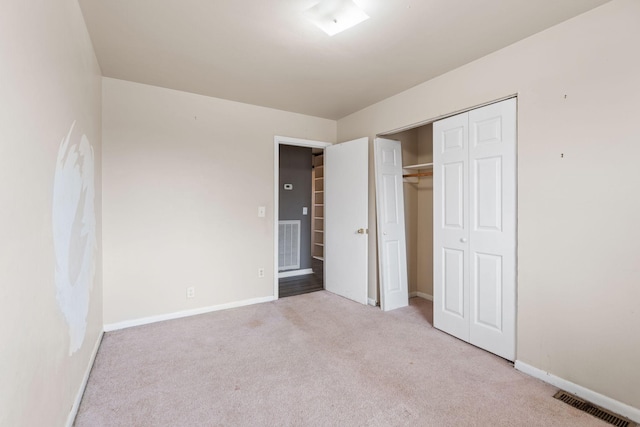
(421, 295)
(580, 391)
(285, 140)
(300, 142)
(292, 273)
(71, 418)
(372, 302)
(185, 313)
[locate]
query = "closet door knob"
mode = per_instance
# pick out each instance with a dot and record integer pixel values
(463, 239)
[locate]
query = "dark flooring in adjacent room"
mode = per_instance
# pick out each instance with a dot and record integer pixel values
(298, 285)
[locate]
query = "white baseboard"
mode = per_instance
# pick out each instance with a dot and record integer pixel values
(582, 392)
(292, 273)
(372, 302)
(186, 313)
(76, 404)
(421, 295)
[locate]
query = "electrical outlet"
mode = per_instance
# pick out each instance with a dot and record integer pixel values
(261, 272)
(191, 292)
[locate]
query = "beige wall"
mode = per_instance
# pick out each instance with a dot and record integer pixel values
(183, 178)
(578, 241)
(49, 78)
(425, 215)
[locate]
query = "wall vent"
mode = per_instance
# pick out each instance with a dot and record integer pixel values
(288, 245)
(594, 410)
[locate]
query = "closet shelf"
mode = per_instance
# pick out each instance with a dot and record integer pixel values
(417, 174)
(418, 167)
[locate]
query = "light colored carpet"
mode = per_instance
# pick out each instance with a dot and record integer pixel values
(310, 360)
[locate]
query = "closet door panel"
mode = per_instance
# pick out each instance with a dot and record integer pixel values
(453, 195)
(492, 145)
(488, 189)
(487, 277)
(453, 277)
(451, 226)
(392, 252)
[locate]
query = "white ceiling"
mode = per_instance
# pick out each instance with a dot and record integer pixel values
(264, 52)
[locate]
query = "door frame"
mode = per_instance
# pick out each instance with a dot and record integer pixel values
(277, 142)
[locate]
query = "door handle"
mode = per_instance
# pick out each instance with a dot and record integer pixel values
(362, 231)
(463, 239)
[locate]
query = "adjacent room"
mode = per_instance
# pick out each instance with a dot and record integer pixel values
(324, 212)
(301, 220)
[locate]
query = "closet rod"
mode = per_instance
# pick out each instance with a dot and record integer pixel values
(417, 175)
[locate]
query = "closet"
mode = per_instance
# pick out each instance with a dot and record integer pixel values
(459, 212)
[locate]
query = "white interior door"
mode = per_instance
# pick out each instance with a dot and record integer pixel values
(492, 238)
(451, 226)
(392, 250)
(475, 227)
(346, 218)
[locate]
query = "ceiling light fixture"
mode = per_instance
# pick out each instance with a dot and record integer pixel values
(335, 16)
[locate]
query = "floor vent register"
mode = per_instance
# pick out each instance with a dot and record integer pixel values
(594, 410)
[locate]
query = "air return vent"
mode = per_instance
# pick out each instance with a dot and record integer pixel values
(594, 410)
(288, 245)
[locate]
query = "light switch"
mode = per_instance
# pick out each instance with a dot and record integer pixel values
(305, 210)
(262, 211)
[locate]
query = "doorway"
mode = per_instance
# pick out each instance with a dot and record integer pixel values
(295, 176)
(345, 215)
(300, 220)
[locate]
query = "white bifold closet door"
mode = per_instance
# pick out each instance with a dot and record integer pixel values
(392, 247)
(474, 290)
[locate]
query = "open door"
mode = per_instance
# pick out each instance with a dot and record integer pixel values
(346, 218)
(392, 249)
